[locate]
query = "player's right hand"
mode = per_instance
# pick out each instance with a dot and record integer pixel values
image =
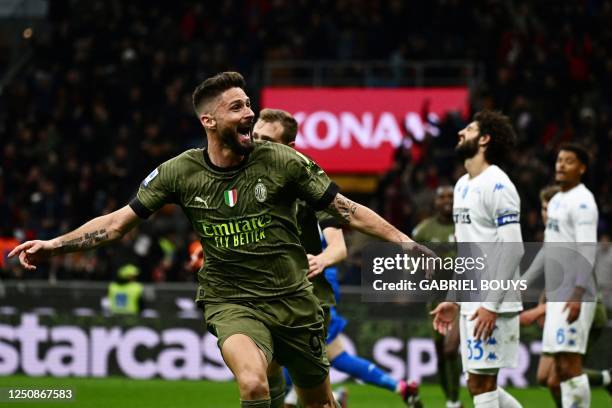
(485, 323)
(32, 252)
(316, 265)
(196, 260)
(444, 317)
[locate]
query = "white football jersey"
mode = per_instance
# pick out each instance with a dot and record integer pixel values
(482, 205)
(572, 224)
(572, 216)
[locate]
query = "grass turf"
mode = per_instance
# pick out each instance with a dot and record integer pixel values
(124, 393)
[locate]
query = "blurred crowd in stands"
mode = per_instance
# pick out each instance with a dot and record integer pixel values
(107, 97)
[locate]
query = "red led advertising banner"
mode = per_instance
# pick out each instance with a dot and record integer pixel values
(356, 130)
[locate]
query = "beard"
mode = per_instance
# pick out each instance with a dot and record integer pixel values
(468, 148)
(230, 137)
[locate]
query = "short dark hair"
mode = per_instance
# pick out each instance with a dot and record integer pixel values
(548, 192)
(499, 128)
(580, 152)
(214, 86)
(287, 121)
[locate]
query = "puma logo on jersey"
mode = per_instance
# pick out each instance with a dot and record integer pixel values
(202, 200)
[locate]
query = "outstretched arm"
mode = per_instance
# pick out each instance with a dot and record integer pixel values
(365, 220)
(98, 231)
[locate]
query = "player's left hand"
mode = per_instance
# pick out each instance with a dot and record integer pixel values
(422, 250)
(316, 265)
(485, 323)
(444, 316)
(573, 311)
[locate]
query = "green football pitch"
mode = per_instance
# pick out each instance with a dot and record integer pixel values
(122, 393)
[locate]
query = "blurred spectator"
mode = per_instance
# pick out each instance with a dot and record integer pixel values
(125, 293)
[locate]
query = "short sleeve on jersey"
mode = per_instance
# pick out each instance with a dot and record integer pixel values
(313, 185)
(154, 191)
(585, 217)
(139, 208)
(506, 204)
(328, 221)
(585, 214)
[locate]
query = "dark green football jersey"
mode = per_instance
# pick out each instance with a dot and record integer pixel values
(310, 224)
(432, 230)
(244, 215)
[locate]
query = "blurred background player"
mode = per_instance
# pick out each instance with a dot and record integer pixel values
(440, 228)
(322, 238)
(572, 217)
(486, 209)
(546, 373)
(537, 313)
(125, 293)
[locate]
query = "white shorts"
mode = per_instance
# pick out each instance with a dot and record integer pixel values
(291, 398)
(560, 336)
(501, 350)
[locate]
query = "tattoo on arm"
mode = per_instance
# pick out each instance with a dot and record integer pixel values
(85, 241)
(343, 207)
(366, 221)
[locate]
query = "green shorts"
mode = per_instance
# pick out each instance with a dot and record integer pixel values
(326, 319)
(289, 330)
(599, 324)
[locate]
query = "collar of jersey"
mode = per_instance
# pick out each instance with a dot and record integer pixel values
(210, 164)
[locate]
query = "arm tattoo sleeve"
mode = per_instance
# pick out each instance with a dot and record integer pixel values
(343, 207)
(86, 241)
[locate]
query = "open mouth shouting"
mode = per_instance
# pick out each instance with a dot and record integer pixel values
(245, 133)
(239, 138)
